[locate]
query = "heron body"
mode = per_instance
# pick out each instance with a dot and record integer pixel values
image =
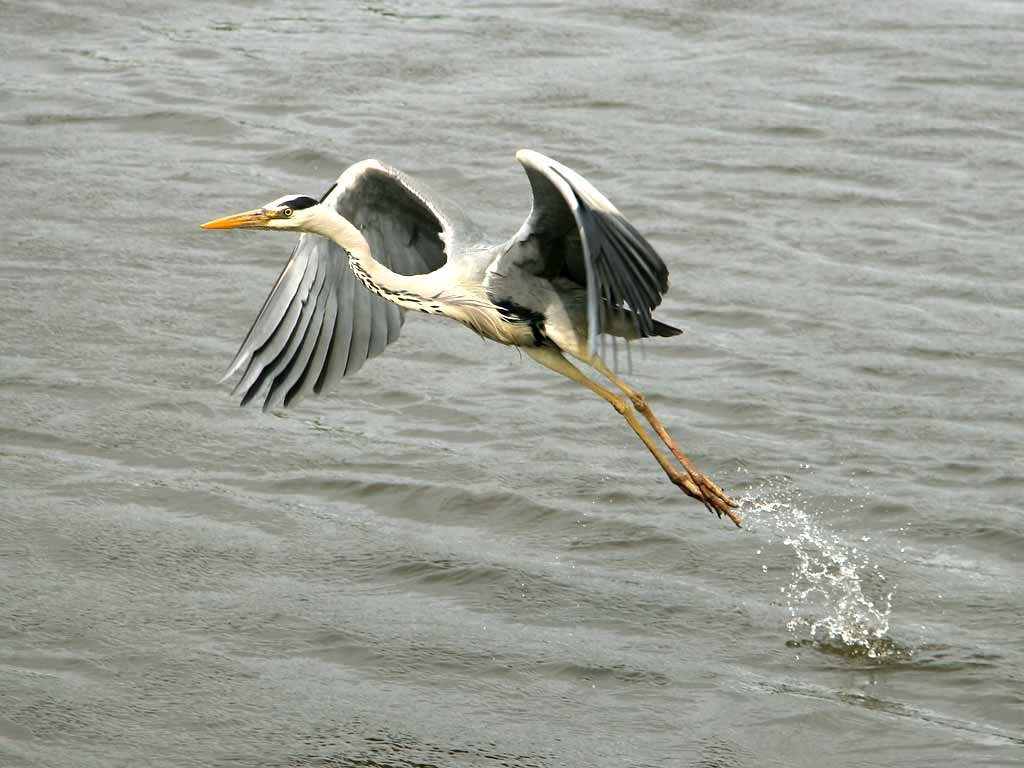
(379, 244)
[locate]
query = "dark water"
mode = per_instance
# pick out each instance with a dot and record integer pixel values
(457, 559)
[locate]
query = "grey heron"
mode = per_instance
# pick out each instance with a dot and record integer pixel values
(378, 244)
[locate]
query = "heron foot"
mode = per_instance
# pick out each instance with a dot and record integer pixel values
(717, 500)
(700, 487)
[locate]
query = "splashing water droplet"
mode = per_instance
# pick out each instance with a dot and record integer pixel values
(826, 594)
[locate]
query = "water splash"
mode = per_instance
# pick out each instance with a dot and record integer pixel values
(837, 595)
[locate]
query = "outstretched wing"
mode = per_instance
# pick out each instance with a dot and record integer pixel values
(319, 322)
(583, 237)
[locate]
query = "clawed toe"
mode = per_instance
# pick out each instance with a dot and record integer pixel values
(716, 500)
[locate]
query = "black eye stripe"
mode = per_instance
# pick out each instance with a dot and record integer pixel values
(298, 203)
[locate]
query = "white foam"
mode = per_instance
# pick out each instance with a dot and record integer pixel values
(837, 594)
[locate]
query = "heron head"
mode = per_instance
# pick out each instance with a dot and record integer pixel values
(288, 212)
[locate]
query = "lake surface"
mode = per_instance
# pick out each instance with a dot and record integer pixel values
(457, 558)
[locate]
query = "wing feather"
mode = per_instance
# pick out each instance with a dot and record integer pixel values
(334, 370)
(296, 355)
(272, 312)
(378, 333)
(269, 374)
(597, 247)
(396, 317)
(362, 321)
(319, 342)
(265, 356)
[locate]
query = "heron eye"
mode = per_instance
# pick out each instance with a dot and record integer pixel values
(286, 212)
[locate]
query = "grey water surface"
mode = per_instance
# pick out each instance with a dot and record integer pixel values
(457, 558)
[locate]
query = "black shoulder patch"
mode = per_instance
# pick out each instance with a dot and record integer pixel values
(516, 313)
(300, 202)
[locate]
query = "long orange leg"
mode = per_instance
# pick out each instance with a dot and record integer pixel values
(554, 360)
(713, 497)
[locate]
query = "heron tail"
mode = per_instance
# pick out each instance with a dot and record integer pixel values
(664, 329)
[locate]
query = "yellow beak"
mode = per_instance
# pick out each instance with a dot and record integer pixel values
(247, 219)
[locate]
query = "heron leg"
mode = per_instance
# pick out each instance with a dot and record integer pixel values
(554, 360)
(713, 497)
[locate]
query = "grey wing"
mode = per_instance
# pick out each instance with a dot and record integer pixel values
(584, 238)
(320, 323)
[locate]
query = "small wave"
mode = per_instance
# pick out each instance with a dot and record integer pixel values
(837, 595)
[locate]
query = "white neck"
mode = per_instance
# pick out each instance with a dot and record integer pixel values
(404, 290)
